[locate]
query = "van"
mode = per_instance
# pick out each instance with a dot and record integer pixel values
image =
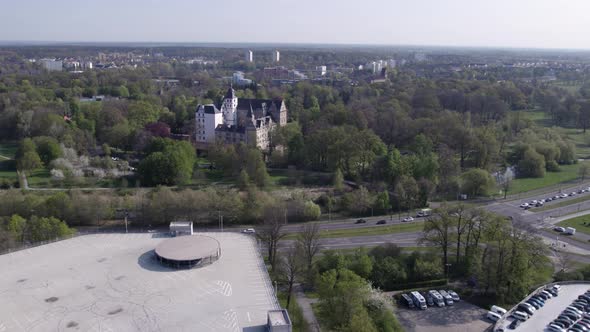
(570, 231)
(498, 310)
(493, 316)
(407, 300)
(520, 315)
(446, 296)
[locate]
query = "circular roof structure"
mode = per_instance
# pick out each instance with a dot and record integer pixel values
(188, 250)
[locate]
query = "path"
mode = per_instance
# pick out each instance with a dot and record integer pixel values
(305, 304)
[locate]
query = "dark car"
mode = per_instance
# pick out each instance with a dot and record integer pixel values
(360, 221)
(526, 309)
(382, 222)
(534, 304)
(514, 324)
(564, 323)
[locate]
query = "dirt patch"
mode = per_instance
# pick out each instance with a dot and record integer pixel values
(21, 280)
(116, 311)
(72, 324)
(101, 260)
(120, 278)
(51, 299)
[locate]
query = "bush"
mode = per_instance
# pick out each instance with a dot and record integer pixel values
(419, 284)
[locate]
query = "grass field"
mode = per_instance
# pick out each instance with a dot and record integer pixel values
(8, 150)
(567, 173)
(369, 231)
(581, 224)
(562, 203)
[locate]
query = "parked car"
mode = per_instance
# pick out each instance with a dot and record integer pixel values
(249, 231)
(564, 195)
(519, 315)
(382, 222)
(498, 310)
(524, 205)
(514, 324)
(408, 219)
(573, 193)
(447, 297)
(360, 221)
(548, 199)
(494, 317)
(559, 229)
(454, 296)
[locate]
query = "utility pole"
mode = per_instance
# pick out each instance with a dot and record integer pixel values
(222, 224)
(126, 229)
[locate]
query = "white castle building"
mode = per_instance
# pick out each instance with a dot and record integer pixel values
(240, 120)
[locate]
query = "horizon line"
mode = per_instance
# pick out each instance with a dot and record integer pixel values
(4, 43)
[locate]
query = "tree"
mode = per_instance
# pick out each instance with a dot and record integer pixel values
(169, 162)
(243, 180)
(27, 158)
(271, 230)
(532, 164)
(583, 171)
(438, 232)
(290, 269)
(309, 242)
(476, 182)
(48, 149)
(338, 181)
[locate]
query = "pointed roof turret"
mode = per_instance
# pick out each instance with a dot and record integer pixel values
(231, 93)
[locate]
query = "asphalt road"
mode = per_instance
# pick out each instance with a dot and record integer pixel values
(400, 239)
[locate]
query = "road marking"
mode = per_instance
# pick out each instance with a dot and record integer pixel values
(248, 313)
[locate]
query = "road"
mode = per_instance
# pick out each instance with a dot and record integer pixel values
(400, 239)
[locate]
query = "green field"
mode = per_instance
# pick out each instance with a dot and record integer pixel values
(8, 150)
(581, 224)
(567, 173)
(416, 226)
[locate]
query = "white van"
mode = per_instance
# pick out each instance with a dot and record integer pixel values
(520, 315)
(493, 316)
(499, 310)
(570, 231)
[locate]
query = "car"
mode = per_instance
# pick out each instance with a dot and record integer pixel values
(525, 307)
(556, 286)
(408, 219)
(533, 202)
(515, 323)
(573, 193)
(249, 231)
(552, 291)
(564, 195)
(454, 295)
(555, 328)
(556, 197)
(563, 322)
(559, 229)
(382, 222)
(360, 221)
(539, 204)
(533, 303)
(579, 326)
(493, 316)
(524, 205)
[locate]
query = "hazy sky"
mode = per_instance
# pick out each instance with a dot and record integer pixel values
(512, 23)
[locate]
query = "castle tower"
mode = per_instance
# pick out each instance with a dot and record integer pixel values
(229, 108)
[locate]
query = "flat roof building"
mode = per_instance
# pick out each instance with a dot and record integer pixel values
(279, 321)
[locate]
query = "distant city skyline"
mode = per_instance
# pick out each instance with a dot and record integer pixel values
(500, 23)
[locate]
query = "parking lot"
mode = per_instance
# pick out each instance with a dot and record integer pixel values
(462, 316)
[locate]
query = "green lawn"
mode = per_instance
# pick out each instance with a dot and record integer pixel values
(567, 173)
(8, 150)
(562, 203)
(581, 224)
(416, 226)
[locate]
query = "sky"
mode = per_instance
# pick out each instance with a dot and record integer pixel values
(478, 23)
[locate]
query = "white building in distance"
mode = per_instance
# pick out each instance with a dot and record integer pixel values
(276, 56)
(238, 79)
(322, 70)
(52, 64)
(249, 56)
(207, 118)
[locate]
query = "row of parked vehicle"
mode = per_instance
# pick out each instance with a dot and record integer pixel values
(439, 298)
(527, 309)
(575, 318)
(541, 202)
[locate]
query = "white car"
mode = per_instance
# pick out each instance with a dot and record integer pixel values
(524, 205)
(408, 219)
(563, 195)
(559, 229)
(249, 231)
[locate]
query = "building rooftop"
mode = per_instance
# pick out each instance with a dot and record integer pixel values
(111, 282)
(278, 318)
(181, 223)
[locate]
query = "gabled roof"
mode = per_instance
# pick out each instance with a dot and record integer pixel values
(211, 109)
